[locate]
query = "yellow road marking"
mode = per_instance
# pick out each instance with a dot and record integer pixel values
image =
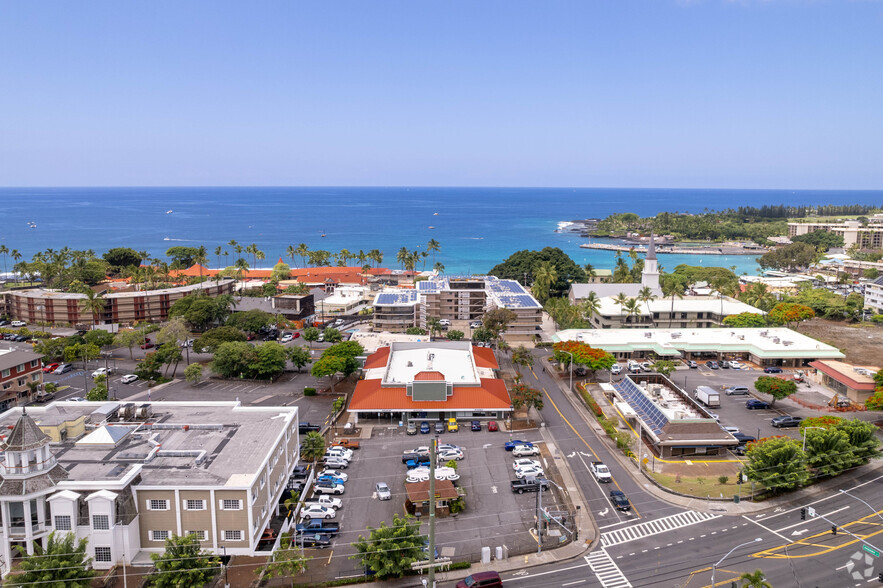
(822, 549)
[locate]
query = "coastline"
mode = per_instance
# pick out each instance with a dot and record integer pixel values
(663, 249)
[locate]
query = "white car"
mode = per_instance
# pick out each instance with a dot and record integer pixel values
(444, 322)
(533, 472)
(449, 447)
(334, 473)
(731, 430)
(337, 451)
(383, 492)
(422, 450)
(616, 369)
(102, 372)
(286, 338)
(525, 450)
(735, 365)
(450, 454)
(76, 399)
(325, 500)
(317, 511)
(474, 324)
(128, 378)
(526, 463)
(329, 489)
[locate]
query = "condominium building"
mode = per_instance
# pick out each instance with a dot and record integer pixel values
(127, 477)
(868, 236)
(19, 369)
(396, 310)
(54, 307)
(874, 295)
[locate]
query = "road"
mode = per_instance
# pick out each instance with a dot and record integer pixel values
(661, 545)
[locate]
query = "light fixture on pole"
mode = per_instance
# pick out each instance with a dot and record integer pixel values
(714, 566)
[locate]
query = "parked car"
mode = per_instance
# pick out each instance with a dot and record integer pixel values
(444, 322)
(450, 454)
(102, 372)
(63, 368)
(755, 404)
(476, 426)
(327, 488)
(786, 421)
(481, 580)
(348, 443)
(439, 427)
(619, 500)
(511, 445)
(731, 430)
(493, 426)
(315, 540)
(712, 365)
(147, 345)
(453, 426)
(76, 399)
(317, 526)
(522, 486)
(736, 365)
(424, 428)
(286, 338)
(382, 490)
(50, 368)
(422, 450)
(336, 462)
(772, 370)
(334, 473)
(128, 378)
(531, 472)
(317, 511)
(742, 438)
(475, 324)
(415, 457)
(526, 463)
(736, 391)
(692, 364)
(525, 450)
(304, 428)
(616, 369)
(412, 428)
(338, 451)
(17, 324)
(299, 471)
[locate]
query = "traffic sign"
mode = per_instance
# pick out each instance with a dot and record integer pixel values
(871, 550)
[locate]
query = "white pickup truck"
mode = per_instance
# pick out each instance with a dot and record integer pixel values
(600, 471)
(324, 500)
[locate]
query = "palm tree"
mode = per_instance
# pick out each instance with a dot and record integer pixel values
(590, 271)
(201, 258)
(343, 257)
(291, 252)
(521, 356)
(259, 256)
(620, 300)
(238, 249)
(377, 256)
(439, 267)
(433, 246)
(645, 295)
(218, 251)
(15, 255)
(672, 286)
(313, 446)
(4, 251)
(402, 256)
(754, 579)
(92, 304)
(362, 257)
(303, 251)
(545, 275)
(434, 325)
(241, 266)
(233, 244)
(632, 308)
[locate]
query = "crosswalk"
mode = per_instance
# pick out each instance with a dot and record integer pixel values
(654, 527)
(607, 572)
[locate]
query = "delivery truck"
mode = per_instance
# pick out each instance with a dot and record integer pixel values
(707, 396)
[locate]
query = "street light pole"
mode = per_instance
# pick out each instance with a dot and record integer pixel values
(714, 566)
(860, 500)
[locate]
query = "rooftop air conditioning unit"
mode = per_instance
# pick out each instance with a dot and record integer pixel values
(776, 340)
(143, 412)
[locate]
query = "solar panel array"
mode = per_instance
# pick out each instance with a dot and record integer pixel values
(642, 405)
(520, 301)
(505, 287)
(407, 297)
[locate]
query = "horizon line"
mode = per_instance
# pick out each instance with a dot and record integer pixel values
(427, 186)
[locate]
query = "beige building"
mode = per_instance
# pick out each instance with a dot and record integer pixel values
(47, 306)
(130, 476)
(868, 236)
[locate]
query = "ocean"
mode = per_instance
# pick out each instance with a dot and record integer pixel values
(476, 227)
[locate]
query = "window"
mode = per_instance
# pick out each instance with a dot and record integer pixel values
(5, 373)
(232, 535)
(100, 522)
(22, 381)
(158, 535)
(194, 505)
(35, 378)
(7, 386)
(20, 367)
(231, 505)
(157, 505)
(201, 535)
(102, 554)
(63, 523)
(34, 363)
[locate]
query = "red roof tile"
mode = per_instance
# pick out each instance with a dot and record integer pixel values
(369, 395)
(484, 357)
(429, 376)
(377, 359)
(841, 377)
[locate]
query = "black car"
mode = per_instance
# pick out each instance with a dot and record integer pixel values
(786, 421)
(307, 428)
(415, 457)
(299, 472)
(476, 425)
(619, 500)
(755, 404)
(772, 370)
(712, 365)
(742, 438)
(439, 427)
(317, 540)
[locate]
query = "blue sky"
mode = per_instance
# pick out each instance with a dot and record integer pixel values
(652, 93)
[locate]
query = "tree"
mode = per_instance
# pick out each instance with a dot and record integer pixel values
(332, 335)
(81, 351)
(828, 451)
(583, 354)
(213, 338)
(250, 321)
(389, 551)
(201, 311)
(821, 240)
(497, 320)
(590, 305)
(182, 257)
(522, 356)
(120, 257)
(796, 256)
(149, 368)
(545, 275)
(99, 392)
(233, 359)
(415, 331)
(193, 373)
(328, 366)
(777, 463)
(482, 335)
(862, 437)
(311, 334)
(299, 356)
(778, 388)
(287, 561)
(281, 271)
(269, 361)
(565, 315)
(646, 296)
(790, 314)
(759, 296)
(672, 286)
(435, 326)
(183, 563)
(745, 320)
(313, 446)
(664, 367)
(521, 265)
(128, 339)
(455, 335)
(525, 396)
(754, 579)
(99, 338)
(173, 333)
(92, 304)
(62, 564)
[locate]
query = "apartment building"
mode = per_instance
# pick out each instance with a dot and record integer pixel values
(53, 307)
(396, 310)
(874, 295)
(18, 370)
(129, 476)
(689, 312)
(868, 236)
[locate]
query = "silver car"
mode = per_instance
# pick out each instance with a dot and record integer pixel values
(383, 492)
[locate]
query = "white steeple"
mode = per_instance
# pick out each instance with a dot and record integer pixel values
(650, 275)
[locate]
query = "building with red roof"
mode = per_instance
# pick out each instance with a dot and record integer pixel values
(856, 382)
(434, 380)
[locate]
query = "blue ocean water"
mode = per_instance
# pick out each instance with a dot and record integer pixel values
(476, 227)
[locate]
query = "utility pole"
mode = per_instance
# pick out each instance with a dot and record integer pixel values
(433, 444)
(539, 519)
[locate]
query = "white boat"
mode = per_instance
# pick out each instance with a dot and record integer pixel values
(168, 212)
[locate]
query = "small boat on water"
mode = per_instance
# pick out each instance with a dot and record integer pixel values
(168, 212)
(434, 214)
(431, 227)
(323, 233)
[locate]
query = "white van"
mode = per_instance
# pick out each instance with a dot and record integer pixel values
(17, 324)
(634, 367)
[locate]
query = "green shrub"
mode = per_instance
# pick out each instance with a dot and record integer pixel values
(309, 391)
(722, 480)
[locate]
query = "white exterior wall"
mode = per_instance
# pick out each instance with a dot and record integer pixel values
(874, 297)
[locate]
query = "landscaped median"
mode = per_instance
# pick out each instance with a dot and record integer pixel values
(623, 439)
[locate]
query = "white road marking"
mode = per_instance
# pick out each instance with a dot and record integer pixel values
(765, 528)
(654, 527)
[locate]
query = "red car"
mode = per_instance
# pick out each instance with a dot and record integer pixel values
(492, 426)
(296, 335)
(50, 368)
(251, 337)
(148, 345)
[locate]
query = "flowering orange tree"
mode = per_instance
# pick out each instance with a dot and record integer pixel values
(778, 388)
(789, 313)
(825, 422)
(583, 354)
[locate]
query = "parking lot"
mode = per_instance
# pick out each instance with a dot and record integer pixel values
(494, 515)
